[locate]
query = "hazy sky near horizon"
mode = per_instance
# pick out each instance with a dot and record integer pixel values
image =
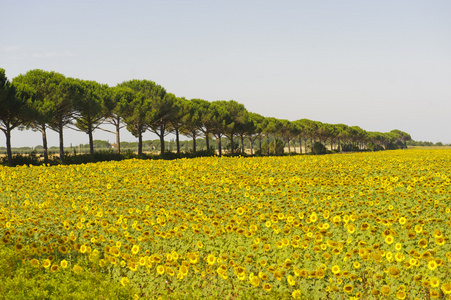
(380, 65)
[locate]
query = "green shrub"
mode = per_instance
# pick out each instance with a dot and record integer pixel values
(319, 148)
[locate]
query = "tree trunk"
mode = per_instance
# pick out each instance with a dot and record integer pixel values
(300, 145)
(242, 144)
(231, 142)
(60, 132)
(289, 146)
(194, 142)
(260, 138)
(207, 140)
(267, 142)
(251, 144)
(177, 140)
(161, 135)
(44, 143)
(91, 140)
(219, 146)
(118, 138)
(275, 144)
(8, 145)
(140, 142)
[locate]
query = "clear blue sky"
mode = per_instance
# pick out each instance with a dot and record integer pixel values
(380, 65)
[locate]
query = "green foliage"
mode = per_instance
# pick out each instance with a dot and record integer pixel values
(236, 146)
(395, 145)
(54, 101)
(374, 147)
(349, 148)
(279, 148)
(319, 148)
(19, 159)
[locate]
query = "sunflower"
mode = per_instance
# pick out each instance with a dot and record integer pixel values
(434, 294)
(389, 239)
(160, 269)
(320, 273)
(240, 211)
(170, 271)
(422, 243)
(77, 269)
(351, 228)
(394, 271)
(63, 264)
(46, 263)
(132, 266)
(296, 294)
(446, 288)
(54, 268)
(254, 280)
(385, 290)
(115, 251)
(112, 260)
(348, 288)
(364, 226)
(418, 228)
(440, 241)
(335, 269)
(211, 259)
(34, 262)
(183, 269)
(401, 295)
(432, 265)
(124, 281)
(267, 287)
(435, 282)
(290, 280)
(262, 275)
(135, 249)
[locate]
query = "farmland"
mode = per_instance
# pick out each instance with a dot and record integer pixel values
(363, 225)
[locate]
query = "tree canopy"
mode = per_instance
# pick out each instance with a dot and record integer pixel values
(40, 99)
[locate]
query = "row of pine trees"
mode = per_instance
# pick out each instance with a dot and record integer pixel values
(43, 100)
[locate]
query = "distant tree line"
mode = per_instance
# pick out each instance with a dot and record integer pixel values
(41, 100)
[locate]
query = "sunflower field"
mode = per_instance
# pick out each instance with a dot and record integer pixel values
(353, 226)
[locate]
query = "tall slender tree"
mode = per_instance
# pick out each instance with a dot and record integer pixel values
(114, 108)
(12, 110)
(245, 128)
(138, 114)
(220, 118)
(176, 121)
(254, 132)
(89, 109)
(164, 109)
(44, 93)
(237, 114)
(205, 113)
(192, 121)
(67, 91)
